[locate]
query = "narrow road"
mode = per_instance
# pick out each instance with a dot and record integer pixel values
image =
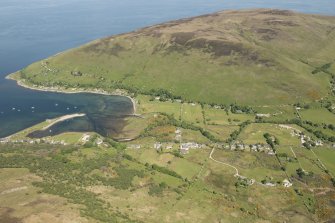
(295, 156)
(236, 170)
(299, 116)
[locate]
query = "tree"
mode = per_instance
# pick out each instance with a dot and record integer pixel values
(300, 172)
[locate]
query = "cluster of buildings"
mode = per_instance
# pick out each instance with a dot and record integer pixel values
(305, 139)
(4, 140)
(185, 147)
(159, 146)
(285, 183)
(85, 138)
(178, 134)
(134, 146)
(98, 141)
(239, 146)
(263, 115)
(33, 141)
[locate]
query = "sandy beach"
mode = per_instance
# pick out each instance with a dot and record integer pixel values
(63, 118)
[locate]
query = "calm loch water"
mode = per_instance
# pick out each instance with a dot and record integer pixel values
(31, 30)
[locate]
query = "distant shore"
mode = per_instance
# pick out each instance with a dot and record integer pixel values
(73, 90)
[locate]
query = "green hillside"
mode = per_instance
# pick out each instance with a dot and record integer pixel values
(267, 158)
(249, 57)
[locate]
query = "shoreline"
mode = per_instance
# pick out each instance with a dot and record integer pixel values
(51, 123)
(73, 91)
(62, 118)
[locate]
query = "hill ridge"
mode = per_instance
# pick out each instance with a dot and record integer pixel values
(249, 57)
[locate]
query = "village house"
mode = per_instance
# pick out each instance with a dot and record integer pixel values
(190, 145)
(135, 146)
(99, 141)
(318, 143)
(85, 138)
(184, 151)
(253, 148)
(287, 183)
(178, 134)
(185, 147)
(157, 145)
(270, 184)
(169, 147)
(4, 140)
(263, 115)
(271, 153)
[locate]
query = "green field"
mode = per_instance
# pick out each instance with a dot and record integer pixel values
(146, 105)
(254, 133)
(327, 157)
(320, 115)
(221, 117)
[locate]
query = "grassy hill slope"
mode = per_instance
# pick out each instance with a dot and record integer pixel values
(249, 57)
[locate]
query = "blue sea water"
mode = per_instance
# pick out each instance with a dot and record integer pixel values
(31, 30)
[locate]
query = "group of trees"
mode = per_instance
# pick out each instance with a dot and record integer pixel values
(164, 170)
(235, 134)
(324, 68)
(271, 140)
(234, 108)
(319, 134)
(122, 181)
(117, 145)
(157, 190)
(301, 173)
(317, 125)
